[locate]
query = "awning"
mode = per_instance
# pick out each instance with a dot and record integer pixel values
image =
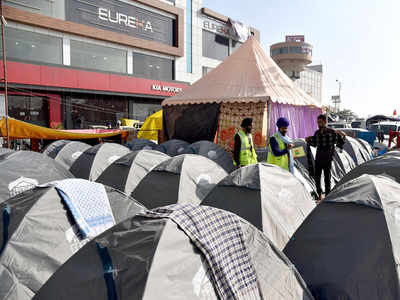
(22, 130)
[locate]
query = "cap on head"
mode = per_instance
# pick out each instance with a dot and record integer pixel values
(282, 122)
(247, 122)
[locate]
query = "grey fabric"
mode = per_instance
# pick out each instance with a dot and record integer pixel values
(387, 165)
(356, 151)
(348, 247)
(55, 147)
(154, 259)
(143, 144)
(282, 199)
(96, 159)
(128, 171)
(43, 238)
(212, 151)
(186, 178)
(174, 147)
(70, 153)
(35, 168)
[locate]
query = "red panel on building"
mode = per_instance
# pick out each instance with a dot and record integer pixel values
(28, 74)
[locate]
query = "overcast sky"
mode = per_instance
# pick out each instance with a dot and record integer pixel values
(357, 41)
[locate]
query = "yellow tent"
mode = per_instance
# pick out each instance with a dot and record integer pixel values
(22, 130)
(151, 127)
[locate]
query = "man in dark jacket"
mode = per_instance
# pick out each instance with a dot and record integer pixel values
(325, 139)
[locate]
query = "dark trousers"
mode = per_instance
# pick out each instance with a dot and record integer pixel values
(326, 167)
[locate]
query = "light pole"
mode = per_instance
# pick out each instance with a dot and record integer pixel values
(339, 97)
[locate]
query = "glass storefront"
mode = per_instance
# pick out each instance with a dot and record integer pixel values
(32, 47)
(153, 67)
(140, 109)
(29, 109)
(95, 57)
(215, 46)
(83, 111)
(48, 8)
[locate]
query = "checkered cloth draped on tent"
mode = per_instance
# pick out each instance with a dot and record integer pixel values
(218, 235)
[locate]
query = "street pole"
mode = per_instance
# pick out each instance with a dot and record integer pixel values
(3, 41)
(340, 98)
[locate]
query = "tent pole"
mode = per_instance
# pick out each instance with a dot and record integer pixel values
(3, 41)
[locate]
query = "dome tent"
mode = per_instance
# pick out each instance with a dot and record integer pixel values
(184, 178)
(342, 164)
(41, 236)
(96, 159)
(142, 144)
(213, 152)
(356, 151)
(348, 247)
(173, 147)
(65, 152)
(154, 259)
(267, 196)
(388, 165)
(127, 172)
(23, 170)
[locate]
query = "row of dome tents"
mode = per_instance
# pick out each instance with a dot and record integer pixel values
(35, 212)
(248, 182)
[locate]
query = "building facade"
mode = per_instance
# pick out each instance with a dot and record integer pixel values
(311, 81)
(294, 56)
(74, 63)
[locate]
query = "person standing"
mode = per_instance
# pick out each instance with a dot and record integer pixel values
(279, 147)
(244, 153)
(325, 139)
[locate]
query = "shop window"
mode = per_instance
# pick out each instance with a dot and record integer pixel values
(48, 8)
(29, 109)
(153, 67)
(95, 57)
(215, 46)
(141, 110)
(33, 47)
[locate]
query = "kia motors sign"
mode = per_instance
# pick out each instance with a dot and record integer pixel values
(295, 38)
(164, 88)
(122, 17)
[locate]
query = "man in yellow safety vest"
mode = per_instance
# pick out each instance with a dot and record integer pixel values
(244, 153)
(279, 147)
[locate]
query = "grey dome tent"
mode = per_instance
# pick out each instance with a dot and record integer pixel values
(267, 196)
(66, 152)
(23, 170)
(91, 163)
(152, 259)
(356, 151)
(174, 147)
(308, 161)
(342, 164)
(349, 247)
(186, 178)
(212, 151)
(388, 165)
(41, 236)
(302, 174)
(128, 171)
(142, 144)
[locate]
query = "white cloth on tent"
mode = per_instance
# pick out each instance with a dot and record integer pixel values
(240, 30)
(89, 204)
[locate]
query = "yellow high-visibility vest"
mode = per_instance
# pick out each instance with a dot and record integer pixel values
(247, 155)
(281, 161)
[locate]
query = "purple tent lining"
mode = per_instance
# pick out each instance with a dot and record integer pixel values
(303, 119)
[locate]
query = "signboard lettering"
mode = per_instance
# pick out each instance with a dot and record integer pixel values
(120, 18)
(164, 88)
(295, 38)
(217, 27)
(123, 17)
